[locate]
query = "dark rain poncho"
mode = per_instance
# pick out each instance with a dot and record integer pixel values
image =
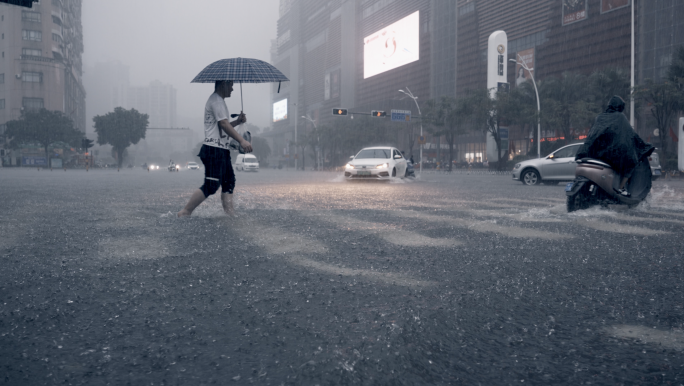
(612, 140)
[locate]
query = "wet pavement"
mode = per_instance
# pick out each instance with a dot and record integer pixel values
(446, 279)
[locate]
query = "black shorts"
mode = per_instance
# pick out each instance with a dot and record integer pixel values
(218, 171)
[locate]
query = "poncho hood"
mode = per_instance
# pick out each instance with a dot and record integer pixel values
(616, 105)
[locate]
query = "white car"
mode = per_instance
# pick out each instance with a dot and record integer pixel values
(376, 163)
(192, 166)
(247, 163)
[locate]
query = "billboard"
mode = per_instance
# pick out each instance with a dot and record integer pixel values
(574, 11)
(521, 74)
(280, 110)
(393, 46)
(611, 5)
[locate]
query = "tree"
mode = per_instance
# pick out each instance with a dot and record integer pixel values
(609, 82)
(43, 126)
(663, 100)
(261, 149)
(445, 117)
(566, 104)
(120, 129)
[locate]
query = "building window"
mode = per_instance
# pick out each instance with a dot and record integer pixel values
(56, 38)
(2, 104)
(31, 52)
(56, 20)
(32, 103)
(30, 16)
(31, 35)
(2, 78)
(32, 77)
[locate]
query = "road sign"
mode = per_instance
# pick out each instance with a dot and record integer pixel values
(401, 115)
(503, 132)
(340, 112)
(421, 140)
(378, 114)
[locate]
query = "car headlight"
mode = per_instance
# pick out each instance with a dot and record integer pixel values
(177, 166)
(349, 166)
(382, 166)
(517, 166)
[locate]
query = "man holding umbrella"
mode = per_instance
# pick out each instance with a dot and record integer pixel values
(215, 153)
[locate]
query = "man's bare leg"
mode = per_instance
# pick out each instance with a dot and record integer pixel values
(227, 202)
(196, 199)
(623, 182)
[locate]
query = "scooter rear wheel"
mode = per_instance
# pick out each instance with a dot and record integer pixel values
(580, 200)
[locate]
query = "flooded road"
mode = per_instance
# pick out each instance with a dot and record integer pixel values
(444, 279)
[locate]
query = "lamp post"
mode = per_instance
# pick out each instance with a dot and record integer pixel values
(410, 95)
(295, 138)
(522, 63)
(318, 141)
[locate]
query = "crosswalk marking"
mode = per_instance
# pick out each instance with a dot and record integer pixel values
(483, 226)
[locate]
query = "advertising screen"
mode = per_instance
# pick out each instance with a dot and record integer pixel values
(574, 11)
(392, 46)
(280, 110)
(521, 74)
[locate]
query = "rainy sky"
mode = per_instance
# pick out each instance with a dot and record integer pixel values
(172, 40)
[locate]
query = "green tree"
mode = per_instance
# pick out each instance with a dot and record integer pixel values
(609, 82)
(43, 126)
(120, 128)
(567, 105)
(445, 117)
(261, 149)
(663, 100)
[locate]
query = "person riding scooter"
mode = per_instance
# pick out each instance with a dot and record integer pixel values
(612, 140)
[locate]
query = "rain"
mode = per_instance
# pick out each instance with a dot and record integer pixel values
(433, 198)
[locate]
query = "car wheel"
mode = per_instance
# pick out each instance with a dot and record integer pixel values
(394, 172)
(406, 173)
(530, 177)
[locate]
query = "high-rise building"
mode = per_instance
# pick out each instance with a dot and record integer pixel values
(158, 100)
(40, 60)
(107, 84)
(344, 53)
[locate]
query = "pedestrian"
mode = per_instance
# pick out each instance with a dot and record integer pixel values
(215, 153)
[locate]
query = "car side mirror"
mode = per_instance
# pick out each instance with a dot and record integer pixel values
(550, 156)
(351, 157)
(397, 156)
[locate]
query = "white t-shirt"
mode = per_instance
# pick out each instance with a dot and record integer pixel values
(214, 111)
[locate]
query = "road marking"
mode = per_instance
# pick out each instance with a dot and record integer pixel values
(384, 277)
(388, 232)
(673, 339)
(279, 242)
(484, 226)
(618, 228)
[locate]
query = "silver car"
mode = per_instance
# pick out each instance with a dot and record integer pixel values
(560, 166)
(555, 167)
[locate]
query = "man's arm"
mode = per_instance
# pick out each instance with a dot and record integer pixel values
(228, 128)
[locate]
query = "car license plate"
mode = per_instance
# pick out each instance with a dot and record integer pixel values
(657, 172)
(568, 187)
(363, 173)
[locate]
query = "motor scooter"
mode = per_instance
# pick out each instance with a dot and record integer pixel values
(596, 183)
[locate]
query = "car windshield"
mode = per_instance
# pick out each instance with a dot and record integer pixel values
(192, 164)
(374, 153)
(250, 160)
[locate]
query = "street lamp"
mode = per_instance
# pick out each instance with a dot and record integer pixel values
(523, 65)
(318, 141)
(410, 95)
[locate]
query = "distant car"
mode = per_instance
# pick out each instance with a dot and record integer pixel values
(247, 163)
(555, 167)
(376, 163)
(192, 166)
(153, 167)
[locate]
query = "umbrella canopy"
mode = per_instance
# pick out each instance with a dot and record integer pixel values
(240, 70)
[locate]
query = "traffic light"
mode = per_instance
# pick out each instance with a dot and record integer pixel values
(20, 3)
(86, 143)
(378, 114)
(340, 112)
